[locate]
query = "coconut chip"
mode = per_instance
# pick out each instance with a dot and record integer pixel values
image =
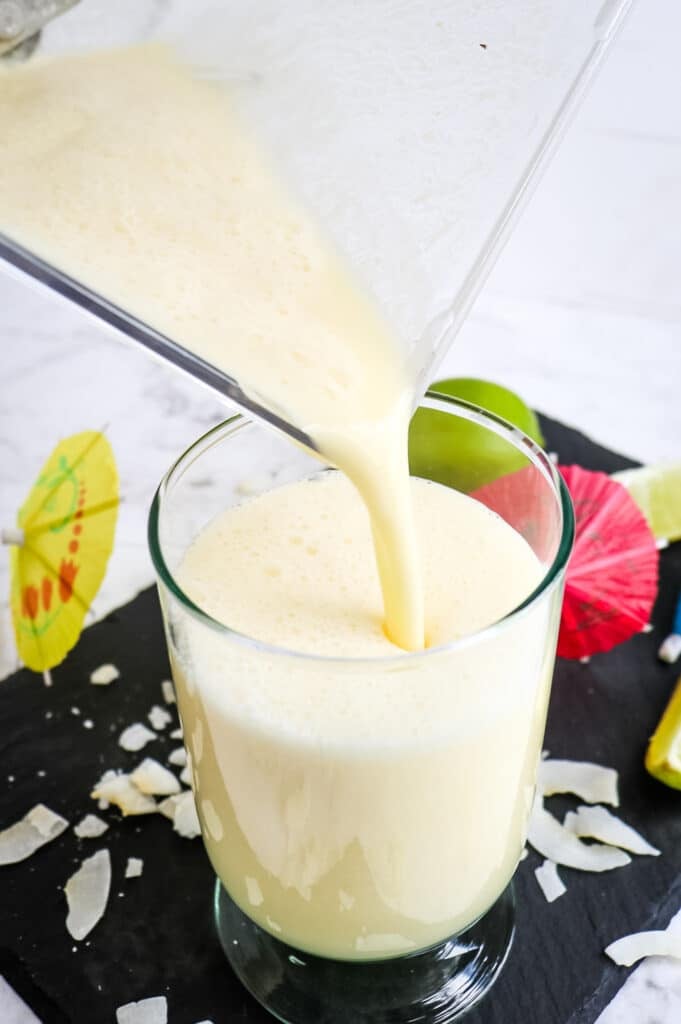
(559, 844)
(90, 827)
(135, 737)
(168, 806)
(151, 777)
(181, 810)
(670, 649)
(186, 820)
(118, 789)
(87, 892)
(591, 782)
(549, 880)
(178, 757)
(159, 718)
(134, 867)
(168, 691)
(177, 734)
(146, 1011)
(631, 948)
(37, 828)
(599, 823)
(186, 774)
(104, 675)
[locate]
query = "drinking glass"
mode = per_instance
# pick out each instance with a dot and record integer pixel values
(364, 862)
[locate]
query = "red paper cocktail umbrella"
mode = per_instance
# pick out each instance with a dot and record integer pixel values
(611, 580)
(612, 576)
(519, 498)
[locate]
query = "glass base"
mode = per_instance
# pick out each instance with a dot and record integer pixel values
(432, 987)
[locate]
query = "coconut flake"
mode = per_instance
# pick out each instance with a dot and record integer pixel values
(90, 827)
(186, 820)
(134, 867)
(559, 844)
(186, 774)
(104, 675)
(591, 782)
(104, 805)
(549, 880)
(87, 893)
(159, 718)
(119, 790)
(178, 757)
(599, 823)
(147, 1011)
(151, 777)
(177, 734)
(181, 810)
(168, 806)
(670, 649)
(135, 737)
(37, 828)
(168, 691)
(631, 948)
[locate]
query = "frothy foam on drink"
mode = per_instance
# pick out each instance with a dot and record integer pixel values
(302, 556)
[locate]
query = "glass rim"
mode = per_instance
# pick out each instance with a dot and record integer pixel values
(473, 413)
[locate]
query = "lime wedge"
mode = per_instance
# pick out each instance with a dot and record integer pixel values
(461, 454)
(663, 757)
(657, 492)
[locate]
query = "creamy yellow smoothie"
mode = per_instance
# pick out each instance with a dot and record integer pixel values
(355, 811)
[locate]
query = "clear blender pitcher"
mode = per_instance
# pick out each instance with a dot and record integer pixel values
(413, 132)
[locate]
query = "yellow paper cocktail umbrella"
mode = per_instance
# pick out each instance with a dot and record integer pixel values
(60, 548)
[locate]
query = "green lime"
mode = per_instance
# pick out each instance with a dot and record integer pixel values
(462, 454)
(663, 757)
(657, 492)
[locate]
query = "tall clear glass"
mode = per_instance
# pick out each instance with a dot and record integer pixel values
(364, 874)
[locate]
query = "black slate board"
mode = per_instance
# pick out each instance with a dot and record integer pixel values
(157, 937)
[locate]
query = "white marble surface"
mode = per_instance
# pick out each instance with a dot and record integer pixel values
(582, 316)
